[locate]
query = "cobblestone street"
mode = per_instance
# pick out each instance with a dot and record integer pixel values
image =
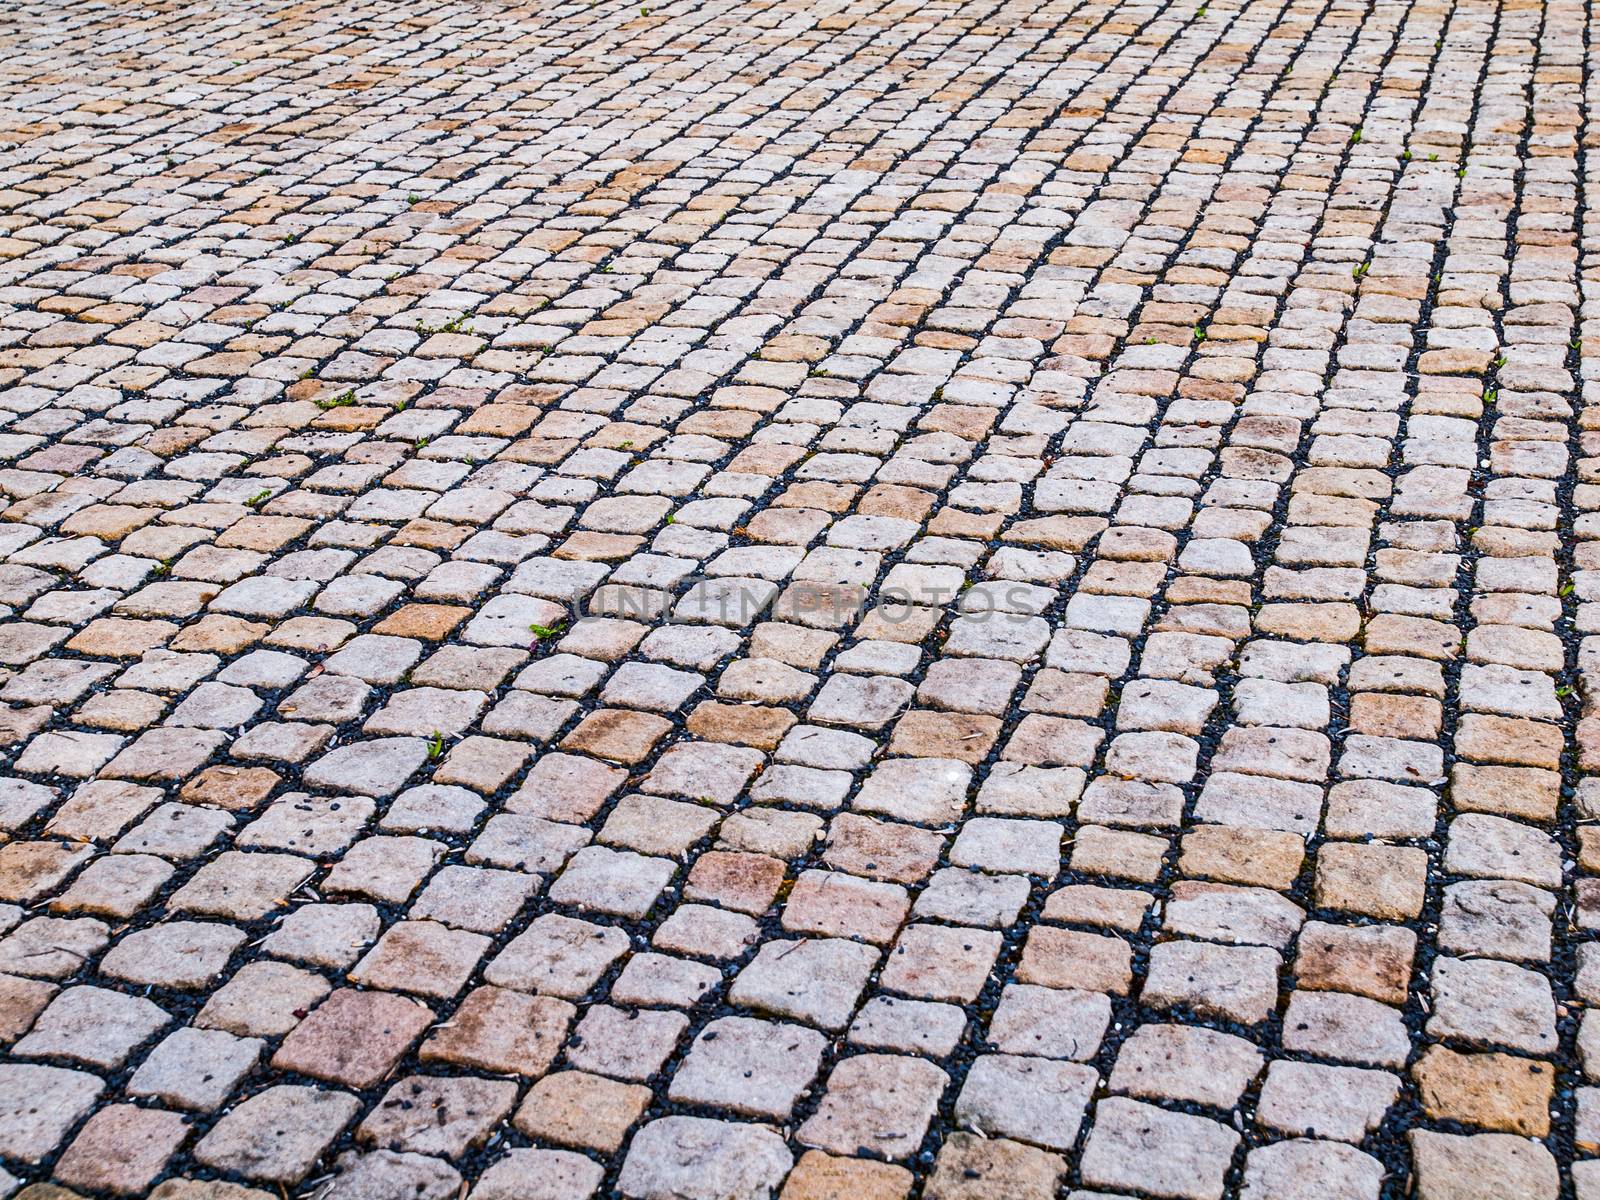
(799, 599)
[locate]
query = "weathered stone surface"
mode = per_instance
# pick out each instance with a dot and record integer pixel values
(1476, 1167)
(691, 1158)
(822, 573)
(1138, 1146)
(1304, 1170)
(39, 1104)
(277, 1135)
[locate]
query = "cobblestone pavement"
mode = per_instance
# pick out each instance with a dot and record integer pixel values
(979, 599)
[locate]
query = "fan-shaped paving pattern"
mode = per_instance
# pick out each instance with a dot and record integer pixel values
(980, 599)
